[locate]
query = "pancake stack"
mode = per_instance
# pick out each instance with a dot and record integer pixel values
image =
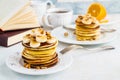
(39, 49)
(87, 28)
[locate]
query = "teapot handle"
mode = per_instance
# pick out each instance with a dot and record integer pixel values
(49, 4)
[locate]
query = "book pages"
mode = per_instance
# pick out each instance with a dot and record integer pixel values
(21, 15)
(25, 19)
(10, 8)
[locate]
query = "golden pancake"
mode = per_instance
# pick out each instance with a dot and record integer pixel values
(82, 28)
(41, 52)
(40, 66)
(46, 65)
(41, 61)
(87, 26)
(85, 38)
(44, 47)
(31, 57)
(87, 34)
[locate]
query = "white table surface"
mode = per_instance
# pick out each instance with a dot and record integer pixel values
(87, 65)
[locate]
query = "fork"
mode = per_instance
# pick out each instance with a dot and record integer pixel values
(102, 30)
(63, 51)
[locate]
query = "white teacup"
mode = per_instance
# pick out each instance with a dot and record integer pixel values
(56, 17)
(41, 7)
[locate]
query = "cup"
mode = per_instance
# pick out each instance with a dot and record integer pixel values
(56, 17)
(40, 8)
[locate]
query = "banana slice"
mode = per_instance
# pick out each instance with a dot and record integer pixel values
(95, 21)
(26, 39)
(35, 32)
(52, 40)
(86, 20)
(34, 44)
(42, 38)
(79, 19)
(38, 31)
(88, 15)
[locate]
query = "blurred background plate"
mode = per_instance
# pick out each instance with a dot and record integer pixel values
(71, 39)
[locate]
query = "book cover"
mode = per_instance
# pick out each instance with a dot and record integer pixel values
(9, 38)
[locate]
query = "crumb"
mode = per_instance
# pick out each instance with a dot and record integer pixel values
(43, 67)
(74, 33)
(37, 67)
(27, 65)
(66, 34)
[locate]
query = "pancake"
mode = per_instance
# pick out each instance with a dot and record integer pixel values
(45, 46)
(82, 28)
(31, 57)
(42, 61)
(40, 66)
(85, 38)
(87, 26)
(41, 52)
(87, 33)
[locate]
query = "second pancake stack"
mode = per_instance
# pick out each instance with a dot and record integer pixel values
(87, 28)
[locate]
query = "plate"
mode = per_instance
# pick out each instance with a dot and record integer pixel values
(110, 23)
(13, 62)
(59, 34)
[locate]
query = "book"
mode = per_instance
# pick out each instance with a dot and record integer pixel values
(17, 15)
(8, 38)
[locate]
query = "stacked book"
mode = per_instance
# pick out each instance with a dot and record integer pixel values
(16, 19)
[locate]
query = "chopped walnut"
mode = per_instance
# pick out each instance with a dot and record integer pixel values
(66, 34)
(74, 33)
(37, 67)
(43, 67)
(27, 65)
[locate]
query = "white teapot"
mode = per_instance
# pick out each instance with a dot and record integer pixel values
(40, 8)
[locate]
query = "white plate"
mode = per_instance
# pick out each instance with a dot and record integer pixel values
(110, 23)
(59, 34)
(13, 62)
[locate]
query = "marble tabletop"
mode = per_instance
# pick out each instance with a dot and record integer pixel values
(87, 65)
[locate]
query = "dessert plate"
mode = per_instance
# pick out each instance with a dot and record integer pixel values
(71, 39)
(14, 63)
(110, 23)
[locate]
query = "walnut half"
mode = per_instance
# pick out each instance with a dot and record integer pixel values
(66, 34)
